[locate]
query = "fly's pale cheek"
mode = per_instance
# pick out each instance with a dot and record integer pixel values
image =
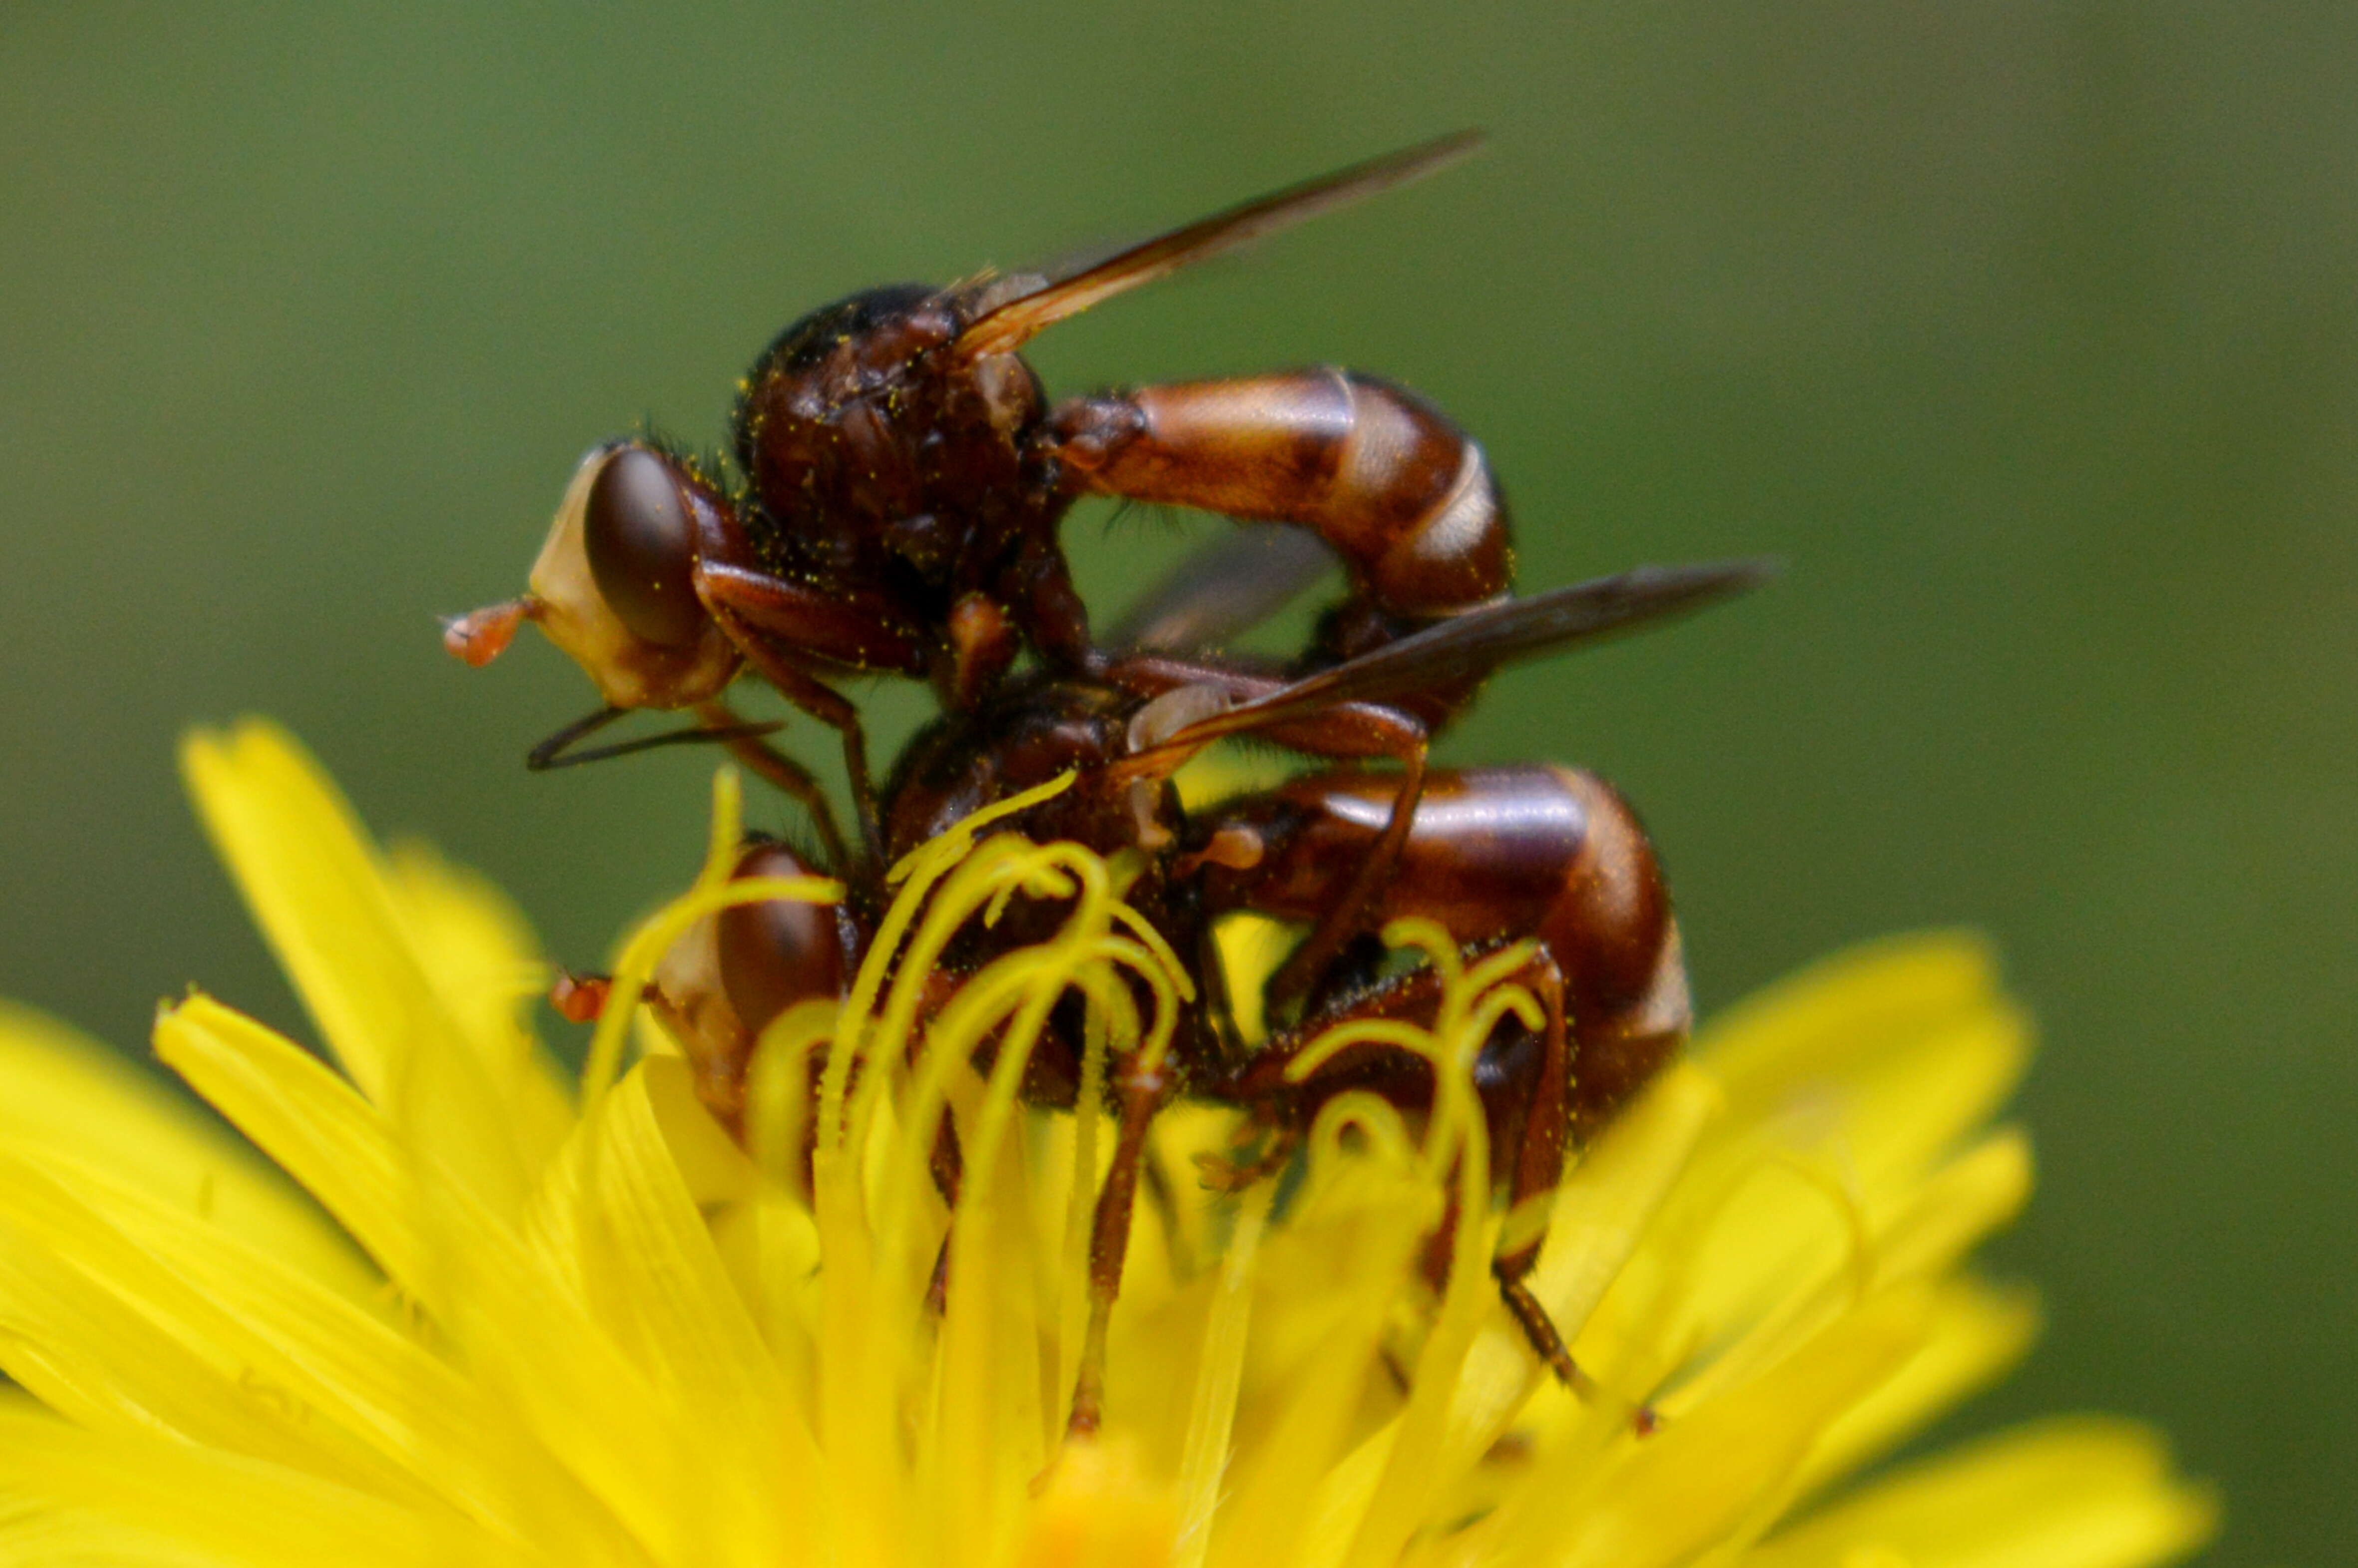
(615, 584)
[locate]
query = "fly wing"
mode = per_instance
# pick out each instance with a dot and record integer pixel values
(1011, 322)
(1224, 590)
(1473, 644)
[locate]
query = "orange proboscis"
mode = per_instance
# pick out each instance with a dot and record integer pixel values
(481, 635)
(579, 999)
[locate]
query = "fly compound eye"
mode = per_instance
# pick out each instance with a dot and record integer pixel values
(775, 955)
(642, 547)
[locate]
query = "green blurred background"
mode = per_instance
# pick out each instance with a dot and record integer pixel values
(2024, 333)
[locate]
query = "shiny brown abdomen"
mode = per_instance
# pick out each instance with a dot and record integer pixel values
(1492, 853)
(1496, 854)
(1402, 494)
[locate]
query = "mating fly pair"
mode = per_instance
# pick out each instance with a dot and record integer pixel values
(902, 479)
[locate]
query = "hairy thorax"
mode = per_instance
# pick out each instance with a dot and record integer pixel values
(875, 451)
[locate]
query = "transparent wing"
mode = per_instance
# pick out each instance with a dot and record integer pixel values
(1223, 591)
(1009, 323)
(1480, 641)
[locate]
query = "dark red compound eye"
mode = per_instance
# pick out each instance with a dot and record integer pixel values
(642, 547)
(775, 955)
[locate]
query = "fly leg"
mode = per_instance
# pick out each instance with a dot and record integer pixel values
(1142, 1091)
(780, 625)
(947, 1165)
(1344, 730)
(783, 772)
(826, 705)
(1542, 1090)
(1526, 1098)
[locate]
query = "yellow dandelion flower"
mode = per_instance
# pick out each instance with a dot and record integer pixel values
(446, 1306)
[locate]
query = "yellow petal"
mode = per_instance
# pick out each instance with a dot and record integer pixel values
(618, 1216)
(1769, 1295)
(1599, 1217)
(221, 1506)
(1895, 1050)
(1978, 1332)
(1314, 1347)
(67, 1095)
(1706, 1478)
(110, 1368)
(320, 893)
(1880, 990)
(2074, 1493)
(485, 964)
(312, 1124)
(527, 1333)
(1850, 1089)
(38, 1532)
(1252, 946)
(339, 1391)
(1956, 1208)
